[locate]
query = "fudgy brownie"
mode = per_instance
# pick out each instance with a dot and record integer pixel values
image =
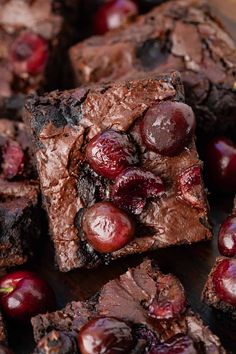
(152, 304)
(219, 290)
(20, 211)
(160, 190)
(178, 35)
(3, 336)
(34, 36)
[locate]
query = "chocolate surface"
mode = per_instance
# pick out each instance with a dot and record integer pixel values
(125, 298)
(162, 40)
(63, 122)
(19, 202)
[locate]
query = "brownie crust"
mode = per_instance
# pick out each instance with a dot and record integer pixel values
(162, 40)
(62, 123)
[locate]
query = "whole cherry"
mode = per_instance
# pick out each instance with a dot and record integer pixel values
(220, 165)
(106, 227)
(29, 54)
(106, 335)
(224, 280)
(24, 294)
(227, 237)
(113, 14)
(167, 127)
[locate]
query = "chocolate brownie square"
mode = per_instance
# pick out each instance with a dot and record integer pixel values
(163, 194)
(20, 212)
(3, 337)
(34, 36)
(153, 304)
(177, 35)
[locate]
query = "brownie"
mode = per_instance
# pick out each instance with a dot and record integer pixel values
(181, 35)
(42, 27)
(20, 212)
(62, 124)
(3, 337)
(128, 298)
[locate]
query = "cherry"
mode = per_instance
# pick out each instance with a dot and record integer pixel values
(167, 127)
(190, 187)
(24, 294)
(106, 335)
(5, 350)
(227, 237)
(110, 152)
(133, 187)
(13, 160)
(29, 54)
(178, 344)
(106, 227)
(113, 14)
(220, 165)
(224, 280)
(170, 299)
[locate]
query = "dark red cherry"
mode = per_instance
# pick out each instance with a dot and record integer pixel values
(29, 54)
(133, 187)
(167, 127)
(106, 335)
(13, 160)
(170, 299)
(178, 344)
(110, 152)
(190, 188)
(220, 165)
(224, 280)
(106, 227)
(227, 237)
(113, 14)
(24, 294)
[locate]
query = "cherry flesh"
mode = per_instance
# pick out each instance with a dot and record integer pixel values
(29, 54)
(133, 187)
(106, 335)
(227, 237)
(113, 14)
(167, 127)
(170, 299)
(24, 294)
(110, 152)
(220, 165)
(13, 160)
(106, 227)
(224, 280)
(178, 344)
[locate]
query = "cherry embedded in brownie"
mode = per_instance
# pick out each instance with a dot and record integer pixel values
(20, 212)
(161, 40)
(101, 181)
(34, 37)
(143, 311)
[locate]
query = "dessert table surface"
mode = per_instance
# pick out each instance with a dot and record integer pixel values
(190, 263)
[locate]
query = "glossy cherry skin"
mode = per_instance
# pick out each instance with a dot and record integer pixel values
(167, 127)
(113, 14)
(227, 237)
(220, 165)
(24, 294)
(29, 54)
(106, 335)
(13, 160)
(110, 152)
(133, 187)
(170, 300)
(106, 227)
(224, 280)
